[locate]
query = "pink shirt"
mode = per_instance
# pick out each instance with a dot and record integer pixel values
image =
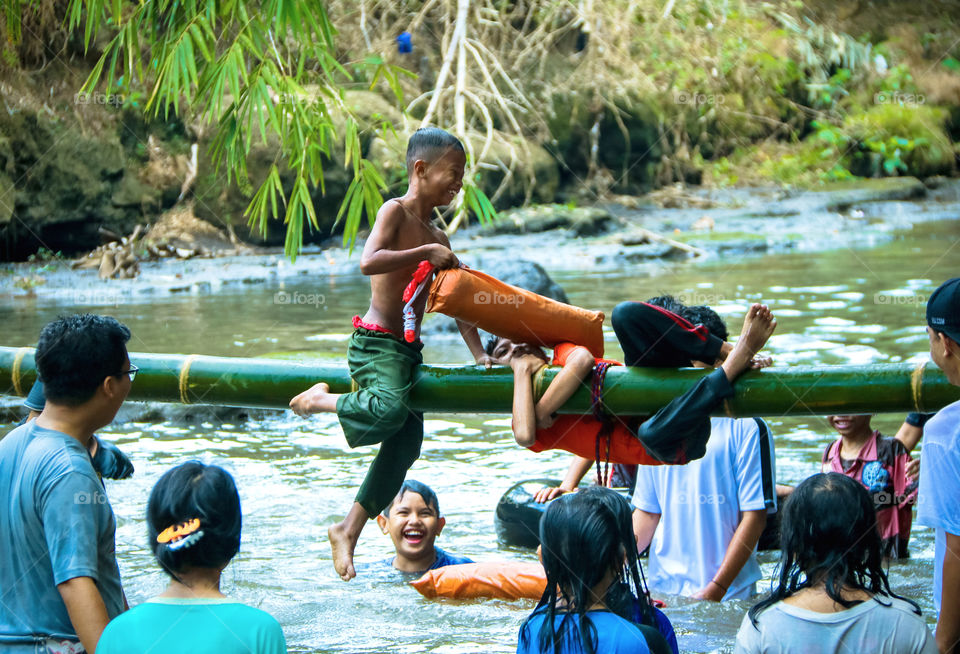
(881, 468)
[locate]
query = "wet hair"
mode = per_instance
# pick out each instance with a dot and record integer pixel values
(704, 315)
(421, 489)
(828, 534)
(668, 302)
(429, 144)
(698, 315)
(190, 491)
(584, 535)
(76, 353)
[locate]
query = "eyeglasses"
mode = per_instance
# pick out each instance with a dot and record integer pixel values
(132, 372)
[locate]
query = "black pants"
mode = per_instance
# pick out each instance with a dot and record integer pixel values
(654, 337)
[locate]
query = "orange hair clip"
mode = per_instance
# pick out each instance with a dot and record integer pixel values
(176, 532)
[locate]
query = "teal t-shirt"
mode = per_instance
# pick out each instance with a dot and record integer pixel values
(199, 626)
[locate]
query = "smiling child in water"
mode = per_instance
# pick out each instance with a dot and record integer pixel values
(413, 522)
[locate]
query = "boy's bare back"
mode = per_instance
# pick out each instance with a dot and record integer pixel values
(413, 238)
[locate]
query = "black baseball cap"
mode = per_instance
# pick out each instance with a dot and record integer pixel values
(943, 309)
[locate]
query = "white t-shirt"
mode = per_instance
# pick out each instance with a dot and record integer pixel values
(700, 503)
(938, 504)
(867, 627)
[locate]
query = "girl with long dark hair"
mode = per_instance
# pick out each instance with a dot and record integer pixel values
(595, 601)
(832, 594)
(193, 529)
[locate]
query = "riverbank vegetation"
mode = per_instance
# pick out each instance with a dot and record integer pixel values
(301, 111)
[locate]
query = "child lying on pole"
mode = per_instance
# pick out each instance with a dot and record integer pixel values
(651, 335)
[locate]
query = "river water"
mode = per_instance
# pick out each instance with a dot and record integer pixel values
(847, 305)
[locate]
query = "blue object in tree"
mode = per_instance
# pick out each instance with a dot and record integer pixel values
(404, 43)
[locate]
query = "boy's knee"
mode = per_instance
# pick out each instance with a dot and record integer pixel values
(391, 413)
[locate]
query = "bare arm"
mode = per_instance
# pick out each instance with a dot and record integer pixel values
(578, 366)
(909, 435)
(948, 624)
(644, 526)
(86, 609)
(578, 468)
(379, 258)
(741, 546)
(472, 338)
(524, 414)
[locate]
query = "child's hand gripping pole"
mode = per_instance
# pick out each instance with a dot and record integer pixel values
(421, 278)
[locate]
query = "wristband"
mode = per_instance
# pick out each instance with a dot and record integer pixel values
(725, 588)
(918, 419)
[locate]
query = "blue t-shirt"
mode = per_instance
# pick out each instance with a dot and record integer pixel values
(938, 505)
(386, 565)
(199, 626)
(56, 524)
(614, 634)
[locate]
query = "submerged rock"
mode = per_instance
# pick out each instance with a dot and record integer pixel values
(843, 196)
(581, 221)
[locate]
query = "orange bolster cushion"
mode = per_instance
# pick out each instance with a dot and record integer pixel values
(494, 579)
(514, 313)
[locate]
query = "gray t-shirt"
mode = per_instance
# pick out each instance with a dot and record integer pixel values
(56, 524)
(867, 627)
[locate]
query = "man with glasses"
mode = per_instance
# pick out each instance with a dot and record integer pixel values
(59, 580)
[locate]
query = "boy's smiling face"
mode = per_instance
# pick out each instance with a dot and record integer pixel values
(442, 178)
(413, 525)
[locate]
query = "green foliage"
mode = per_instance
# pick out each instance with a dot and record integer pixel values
(892, 139)
(256, 72)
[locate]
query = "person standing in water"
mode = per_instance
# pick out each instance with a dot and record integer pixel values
(381, 362)
(831, 594)
(193, 529)
(939, 499)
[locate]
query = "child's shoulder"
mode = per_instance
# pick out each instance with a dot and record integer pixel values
(889, 448)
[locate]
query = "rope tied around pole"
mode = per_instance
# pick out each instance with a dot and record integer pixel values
(916, 385)
(15, 372)
(184, 376)
(606, 421)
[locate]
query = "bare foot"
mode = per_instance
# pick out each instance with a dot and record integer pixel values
(758, 325)
(342, 543)
(315, 399)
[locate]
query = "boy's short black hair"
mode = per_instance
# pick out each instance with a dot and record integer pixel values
(429, 144)
(490, 344)
(669, 303)
(421, 489)
(698, 315)
(76, 353)
(704, 315)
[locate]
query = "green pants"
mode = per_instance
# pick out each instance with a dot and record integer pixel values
(383, 367)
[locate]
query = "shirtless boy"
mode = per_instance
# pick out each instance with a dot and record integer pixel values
(381, 363)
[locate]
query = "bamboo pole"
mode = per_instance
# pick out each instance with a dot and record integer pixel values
(271, 383)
